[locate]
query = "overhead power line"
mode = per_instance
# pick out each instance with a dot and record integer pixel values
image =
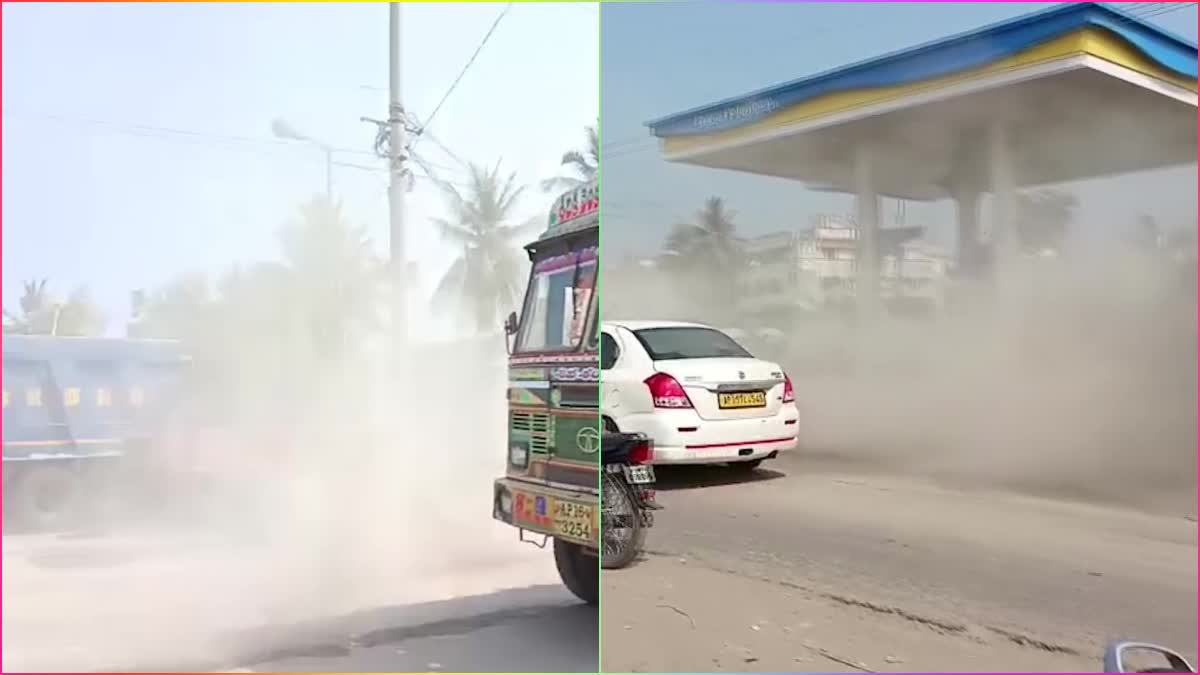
(422, 129)
(1138, 7)
(634, 140)
(627, 152)
(1167, 9)
(1145, 10)
(487, 36)
(153, 131)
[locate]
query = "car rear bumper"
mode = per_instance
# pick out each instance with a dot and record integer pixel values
(740, 452)
(681, 437)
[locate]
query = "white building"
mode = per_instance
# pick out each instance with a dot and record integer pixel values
(817, 267)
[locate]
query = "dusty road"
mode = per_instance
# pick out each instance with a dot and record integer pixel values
(809, 568)
(540, 629)
(142, 601)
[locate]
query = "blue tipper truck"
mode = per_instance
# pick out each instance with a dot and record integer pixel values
(78, 412)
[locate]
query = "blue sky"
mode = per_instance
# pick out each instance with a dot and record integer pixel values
(658, 59)
(137, 142)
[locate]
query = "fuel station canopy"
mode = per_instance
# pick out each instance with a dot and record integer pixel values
(1079, 91)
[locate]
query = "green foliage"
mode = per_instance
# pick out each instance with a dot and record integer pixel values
(485, 281)
(43, 314)
(583, 165)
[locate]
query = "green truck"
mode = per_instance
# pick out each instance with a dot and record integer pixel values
(550, 489)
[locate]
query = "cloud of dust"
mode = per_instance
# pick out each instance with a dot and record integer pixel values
(346, 491)
(1075, 378)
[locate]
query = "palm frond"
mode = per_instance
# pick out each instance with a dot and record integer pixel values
(584, 164)
(563, 183)
(481, 282)
(453, 232)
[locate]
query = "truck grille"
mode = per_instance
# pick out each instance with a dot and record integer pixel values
(539, 426)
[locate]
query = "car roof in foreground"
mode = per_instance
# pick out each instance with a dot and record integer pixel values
(643, 324)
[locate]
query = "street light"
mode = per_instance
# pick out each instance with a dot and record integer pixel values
(282, 129)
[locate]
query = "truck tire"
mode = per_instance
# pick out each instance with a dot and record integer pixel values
(45, 497)
(579, 571)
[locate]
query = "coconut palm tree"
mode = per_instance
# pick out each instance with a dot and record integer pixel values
(36, 296)
(584, 165)
(330, 275)
(324, 289)
(43, 314)
(705, 252)
(709, 239)
(485, 280)
(35, 299)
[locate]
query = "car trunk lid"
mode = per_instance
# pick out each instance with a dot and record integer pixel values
(727, 388)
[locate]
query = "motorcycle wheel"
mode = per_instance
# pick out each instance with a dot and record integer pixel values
(619, 547)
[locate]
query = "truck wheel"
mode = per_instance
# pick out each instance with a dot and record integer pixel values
(579, 571)
(47, 497)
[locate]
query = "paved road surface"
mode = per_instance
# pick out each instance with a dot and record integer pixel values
(805, 568)
(539, 630)
(150, 601)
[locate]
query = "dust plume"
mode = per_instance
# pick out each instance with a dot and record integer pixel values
(322, 488)
(1075, 379)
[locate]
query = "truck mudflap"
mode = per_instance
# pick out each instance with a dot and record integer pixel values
(569, 515)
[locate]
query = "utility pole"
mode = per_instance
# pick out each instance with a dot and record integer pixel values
(396, 188)
(328, 173)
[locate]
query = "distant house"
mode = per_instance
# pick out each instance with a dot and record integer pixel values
(817, 267)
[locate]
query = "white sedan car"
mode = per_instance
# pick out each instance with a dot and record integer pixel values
(696, 392)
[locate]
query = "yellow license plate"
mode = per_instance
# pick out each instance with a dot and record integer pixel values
(742, 399)
(573, 520)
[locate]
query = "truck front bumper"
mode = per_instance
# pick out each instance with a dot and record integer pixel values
(571, 515)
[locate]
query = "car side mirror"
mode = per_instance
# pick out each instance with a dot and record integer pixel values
(1131, 657)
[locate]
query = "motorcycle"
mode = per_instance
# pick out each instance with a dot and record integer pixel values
(1120, 655)
(626, 497)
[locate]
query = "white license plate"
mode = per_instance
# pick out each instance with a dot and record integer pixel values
(640, 474)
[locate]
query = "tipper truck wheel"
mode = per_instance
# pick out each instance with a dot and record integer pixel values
(579, 570)
(44, 497)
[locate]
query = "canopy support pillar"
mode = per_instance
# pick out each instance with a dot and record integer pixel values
(967, 206)
(1004, 193)
(867, 215)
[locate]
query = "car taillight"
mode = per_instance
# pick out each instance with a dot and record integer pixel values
(666, 392)
(789, 394)
(642, 453)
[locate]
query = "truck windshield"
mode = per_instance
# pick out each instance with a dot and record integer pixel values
(557, 302)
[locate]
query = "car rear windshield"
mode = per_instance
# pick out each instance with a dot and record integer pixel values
(665, 344)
